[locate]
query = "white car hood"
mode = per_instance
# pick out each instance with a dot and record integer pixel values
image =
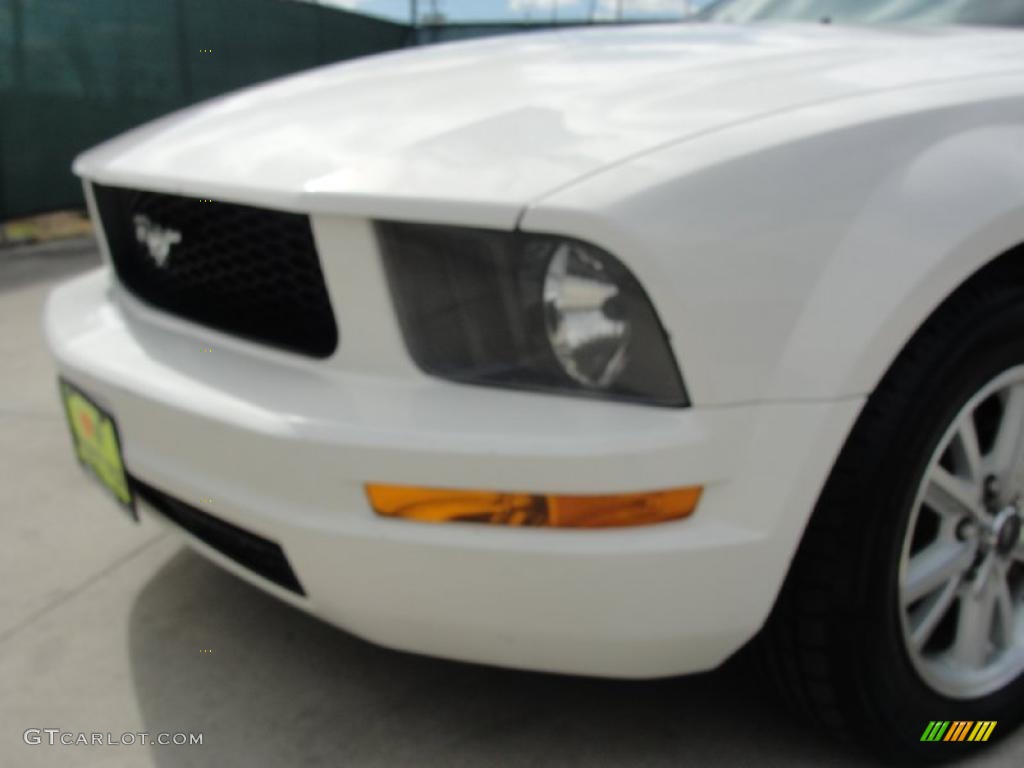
(473, 132)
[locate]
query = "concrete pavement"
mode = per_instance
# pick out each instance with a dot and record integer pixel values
(104, 626)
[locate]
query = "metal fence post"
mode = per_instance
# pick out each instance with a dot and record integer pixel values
(184, 68)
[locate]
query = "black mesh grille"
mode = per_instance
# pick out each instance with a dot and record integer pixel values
(246, 271)
(259, 555)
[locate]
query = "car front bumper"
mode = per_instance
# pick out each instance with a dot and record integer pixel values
(282, 448)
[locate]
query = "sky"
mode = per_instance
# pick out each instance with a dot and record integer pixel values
(491, 10)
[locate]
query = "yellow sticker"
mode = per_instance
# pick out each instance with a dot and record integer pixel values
(96, 443)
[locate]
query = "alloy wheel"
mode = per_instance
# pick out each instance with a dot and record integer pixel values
(961, 573)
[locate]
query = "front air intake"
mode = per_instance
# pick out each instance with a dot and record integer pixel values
(261, 556)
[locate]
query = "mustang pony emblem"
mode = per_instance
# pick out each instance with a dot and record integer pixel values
(157, 239)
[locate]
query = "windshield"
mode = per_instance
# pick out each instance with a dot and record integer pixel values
(1009, 13)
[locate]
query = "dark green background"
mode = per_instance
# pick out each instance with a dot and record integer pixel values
(75, 72)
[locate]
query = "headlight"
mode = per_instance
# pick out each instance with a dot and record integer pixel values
(527, 311)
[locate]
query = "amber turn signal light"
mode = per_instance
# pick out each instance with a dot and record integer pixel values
(433, 505)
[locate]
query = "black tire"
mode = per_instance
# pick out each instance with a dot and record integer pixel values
(834, 641)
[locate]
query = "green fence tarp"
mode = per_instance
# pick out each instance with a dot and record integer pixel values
(75, 72)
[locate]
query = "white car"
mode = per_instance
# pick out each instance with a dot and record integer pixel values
(601, 351)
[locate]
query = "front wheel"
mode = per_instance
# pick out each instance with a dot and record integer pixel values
(901, 623)
(961, 573)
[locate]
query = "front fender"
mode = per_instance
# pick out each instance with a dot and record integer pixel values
(791, 258)
(934, 221)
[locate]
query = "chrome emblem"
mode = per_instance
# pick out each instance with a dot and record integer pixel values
(158, 240)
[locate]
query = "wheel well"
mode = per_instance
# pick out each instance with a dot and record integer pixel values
(1007, 267)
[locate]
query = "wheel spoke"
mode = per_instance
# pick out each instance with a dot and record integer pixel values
(967, 435)
(1008, 447)
(933, 613)
(932, 567)
(973, 641)
(1018, 552)
(950, 495)
(1005, 608)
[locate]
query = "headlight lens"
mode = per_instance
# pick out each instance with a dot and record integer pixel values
(527, 311)
(583, 318)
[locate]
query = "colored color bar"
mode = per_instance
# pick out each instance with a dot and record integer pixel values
(935, 731)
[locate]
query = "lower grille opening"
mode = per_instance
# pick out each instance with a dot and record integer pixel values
(259, 555)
